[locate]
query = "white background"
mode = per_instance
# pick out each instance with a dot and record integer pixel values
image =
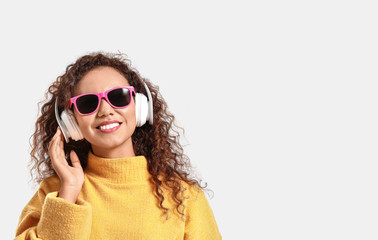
(278, 100)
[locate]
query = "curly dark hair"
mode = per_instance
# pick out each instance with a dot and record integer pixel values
(159, 143)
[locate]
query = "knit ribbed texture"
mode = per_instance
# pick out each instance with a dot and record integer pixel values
(117, 201)
(118, 170)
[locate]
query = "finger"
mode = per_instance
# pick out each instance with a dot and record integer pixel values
(60, 137)
(60, 144)
(75, 159)
(52, 144)
(56, 151)
(60, 133)
(54, 137)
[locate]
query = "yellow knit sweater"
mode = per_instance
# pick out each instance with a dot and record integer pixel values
(117, 201)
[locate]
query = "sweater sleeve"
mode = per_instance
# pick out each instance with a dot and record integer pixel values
(47, 216)
(200, 222)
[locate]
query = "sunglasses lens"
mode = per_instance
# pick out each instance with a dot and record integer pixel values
(120, 97)
(87, 104)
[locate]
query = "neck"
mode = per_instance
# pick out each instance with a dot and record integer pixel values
(123, 151)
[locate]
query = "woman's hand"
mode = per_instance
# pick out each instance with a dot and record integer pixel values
(71, 178)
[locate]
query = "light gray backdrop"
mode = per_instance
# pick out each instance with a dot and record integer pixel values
(278, 100)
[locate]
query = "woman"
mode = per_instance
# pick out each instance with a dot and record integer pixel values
(121, 178)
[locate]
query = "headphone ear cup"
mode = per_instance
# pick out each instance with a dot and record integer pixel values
(141, 109)
(137, 109)
(71, 127)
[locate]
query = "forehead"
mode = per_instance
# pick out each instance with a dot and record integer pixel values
(100, 79)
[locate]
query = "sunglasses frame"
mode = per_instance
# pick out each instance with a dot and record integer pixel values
(100, 96)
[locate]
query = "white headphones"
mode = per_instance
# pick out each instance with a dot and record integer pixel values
(70, 128)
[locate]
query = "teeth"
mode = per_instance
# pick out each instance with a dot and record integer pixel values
(109, 126)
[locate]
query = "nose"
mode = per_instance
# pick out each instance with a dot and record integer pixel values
(104, 109)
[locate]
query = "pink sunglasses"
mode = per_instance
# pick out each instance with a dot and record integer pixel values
(88, 103)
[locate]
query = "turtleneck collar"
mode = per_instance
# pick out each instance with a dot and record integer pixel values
(118, 170)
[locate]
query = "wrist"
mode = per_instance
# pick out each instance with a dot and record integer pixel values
(69, 193)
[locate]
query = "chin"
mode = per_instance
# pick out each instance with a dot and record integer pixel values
(119, 138)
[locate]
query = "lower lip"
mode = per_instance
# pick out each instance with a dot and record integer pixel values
(110, 130)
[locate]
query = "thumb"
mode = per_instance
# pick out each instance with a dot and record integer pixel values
(75, 159)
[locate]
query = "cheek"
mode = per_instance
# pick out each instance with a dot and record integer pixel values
(129, 115)
(84, 122)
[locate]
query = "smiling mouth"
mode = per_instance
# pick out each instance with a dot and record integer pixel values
(108, 126)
